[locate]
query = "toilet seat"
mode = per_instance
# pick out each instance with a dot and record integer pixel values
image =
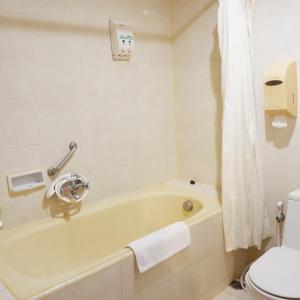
(277, 273)
(263, 295)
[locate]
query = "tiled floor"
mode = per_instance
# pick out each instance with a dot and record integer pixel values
(231, 294)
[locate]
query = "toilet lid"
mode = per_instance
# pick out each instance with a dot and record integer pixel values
(277, 272)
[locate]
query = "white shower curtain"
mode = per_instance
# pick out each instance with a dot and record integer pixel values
(244, 218)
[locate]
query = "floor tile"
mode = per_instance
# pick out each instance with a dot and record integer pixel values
(232, 294)
(222, 296)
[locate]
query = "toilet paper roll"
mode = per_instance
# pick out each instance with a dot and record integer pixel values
(279, 121)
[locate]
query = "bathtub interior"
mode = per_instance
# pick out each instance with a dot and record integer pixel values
(45, 254)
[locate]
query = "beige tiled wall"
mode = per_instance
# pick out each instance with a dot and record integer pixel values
(59, 84)
(197, 89)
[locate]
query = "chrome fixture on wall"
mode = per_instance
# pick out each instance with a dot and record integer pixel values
(70, 188)
(54, 170)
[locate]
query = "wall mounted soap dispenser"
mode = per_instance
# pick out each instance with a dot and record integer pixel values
(122, 40)
(280, 89)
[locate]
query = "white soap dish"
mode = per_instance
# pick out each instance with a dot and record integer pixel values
(26, 181)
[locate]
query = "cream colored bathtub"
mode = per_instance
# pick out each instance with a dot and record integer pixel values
(45, 255)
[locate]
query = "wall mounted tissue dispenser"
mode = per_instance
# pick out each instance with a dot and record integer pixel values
(280, 89)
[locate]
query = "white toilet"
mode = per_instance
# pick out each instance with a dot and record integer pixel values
(276, 274)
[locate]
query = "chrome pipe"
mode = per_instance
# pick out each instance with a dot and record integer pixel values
(54, 170)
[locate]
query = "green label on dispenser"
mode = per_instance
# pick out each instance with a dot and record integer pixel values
(126, 37)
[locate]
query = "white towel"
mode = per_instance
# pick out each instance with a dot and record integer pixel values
(160, 245)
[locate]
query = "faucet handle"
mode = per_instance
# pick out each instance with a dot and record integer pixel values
(70, 188)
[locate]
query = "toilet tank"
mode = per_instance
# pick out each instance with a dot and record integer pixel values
(291, 237)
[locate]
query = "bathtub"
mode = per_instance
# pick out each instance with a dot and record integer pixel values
(42, 259)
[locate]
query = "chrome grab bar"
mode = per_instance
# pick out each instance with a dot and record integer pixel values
(53, 170)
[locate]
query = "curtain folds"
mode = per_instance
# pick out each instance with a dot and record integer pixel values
(244, 217)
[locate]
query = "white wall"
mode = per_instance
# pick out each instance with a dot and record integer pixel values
(59, 84)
